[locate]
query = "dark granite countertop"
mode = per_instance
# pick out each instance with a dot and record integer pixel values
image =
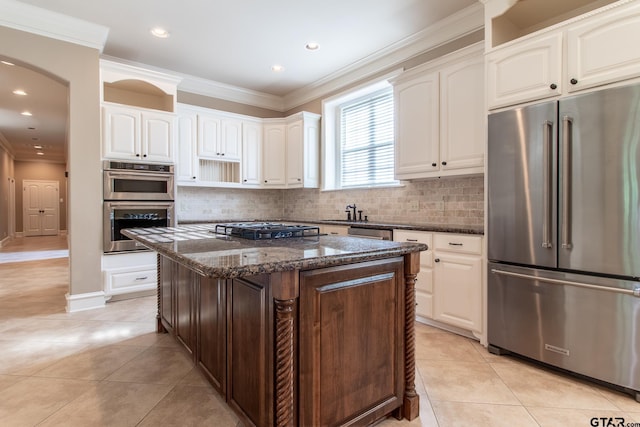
(438, 228)
(213, 255)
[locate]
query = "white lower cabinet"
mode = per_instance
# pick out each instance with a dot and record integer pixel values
(449, 285)
(424, 282)
(125, 273)
(457, 290)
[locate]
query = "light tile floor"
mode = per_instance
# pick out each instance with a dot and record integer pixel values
(108, 367)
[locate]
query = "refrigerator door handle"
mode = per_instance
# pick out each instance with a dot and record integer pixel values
(632, 292)
(567, 140)
(547, 152)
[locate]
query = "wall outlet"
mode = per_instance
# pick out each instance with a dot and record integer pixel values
(414, 205)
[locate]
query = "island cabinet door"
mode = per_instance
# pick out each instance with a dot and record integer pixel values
(250, 350)
(211, 331)
(184, 328)
(351, 343)
(166, 294)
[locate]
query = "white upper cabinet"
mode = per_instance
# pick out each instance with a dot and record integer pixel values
(273, 155)
(157, 136)
(251, 153)
(219, 137)
(130, 133)
(303, 151)
(439, 113)
(138, 113)
(187, 135)
(524, 72)
(417, 148)
(605, 49)
(461, 115)
(590, 50)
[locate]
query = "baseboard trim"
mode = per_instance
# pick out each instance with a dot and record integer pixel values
(87, 301)
(4, 241)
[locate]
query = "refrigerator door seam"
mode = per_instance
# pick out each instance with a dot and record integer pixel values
(633, 292)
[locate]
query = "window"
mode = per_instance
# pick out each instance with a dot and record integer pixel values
(366, 140)
(358, 137)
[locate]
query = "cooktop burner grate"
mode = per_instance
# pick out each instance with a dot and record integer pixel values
(266, 230)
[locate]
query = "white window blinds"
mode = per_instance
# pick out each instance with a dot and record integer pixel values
(366, 141)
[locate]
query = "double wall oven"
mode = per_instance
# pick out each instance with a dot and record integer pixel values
(135, 195)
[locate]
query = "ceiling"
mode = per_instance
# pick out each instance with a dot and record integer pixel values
(232, 43)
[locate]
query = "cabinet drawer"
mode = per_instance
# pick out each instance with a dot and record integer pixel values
(459, 243)
(120, 281)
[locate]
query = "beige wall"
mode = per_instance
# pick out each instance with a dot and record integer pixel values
(79, 66)
(6, 172)
(40, 171)
(223, 105)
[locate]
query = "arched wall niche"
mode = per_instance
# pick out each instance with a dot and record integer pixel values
(138, 93)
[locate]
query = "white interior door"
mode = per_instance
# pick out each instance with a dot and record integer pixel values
(12, 207)
(40, 203)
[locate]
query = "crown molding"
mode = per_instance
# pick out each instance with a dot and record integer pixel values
(227, 92)
(32, 19)
(453, 27)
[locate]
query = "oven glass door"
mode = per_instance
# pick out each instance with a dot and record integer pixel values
(121, 215)
(137, 186)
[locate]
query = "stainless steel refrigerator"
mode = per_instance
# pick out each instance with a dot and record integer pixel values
(564, 234)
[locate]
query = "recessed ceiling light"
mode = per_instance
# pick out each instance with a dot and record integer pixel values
(312, 46)
(40, 153)
(8, 63)
(160, 32)
(38, 147)
(19, 92)
(26, 113)
(277, 68)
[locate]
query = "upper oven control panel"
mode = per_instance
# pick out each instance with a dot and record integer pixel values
(143, 167)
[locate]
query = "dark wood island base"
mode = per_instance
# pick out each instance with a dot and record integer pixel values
(311, 347)
(305, 331)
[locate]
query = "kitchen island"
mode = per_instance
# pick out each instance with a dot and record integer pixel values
(303, 331)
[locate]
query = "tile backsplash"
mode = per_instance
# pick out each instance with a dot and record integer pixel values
(444, 201)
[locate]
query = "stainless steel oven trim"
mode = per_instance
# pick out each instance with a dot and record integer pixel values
(110, 194)
(110, 246)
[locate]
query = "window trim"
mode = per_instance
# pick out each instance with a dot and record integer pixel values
(330, 152)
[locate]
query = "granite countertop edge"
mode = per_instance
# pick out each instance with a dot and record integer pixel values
(231, 271)
(439, 228)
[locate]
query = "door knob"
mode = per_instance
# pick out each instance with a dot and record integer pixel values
(437, 260)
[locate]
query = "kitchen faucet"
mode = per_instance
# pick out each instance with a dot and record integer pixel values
(349, 213)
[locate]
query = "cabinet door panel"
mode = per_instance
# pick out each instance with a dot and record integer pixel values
(208, 136)
(212, 336)
(294, 154)
(273, 166)
(462, 115)
(345, 313)
(167, 279)
(417, 126)
(251, 153)
(157, 137)
(121, 133)
(186, 169)
(248, 345)
(457, 294)
(525, 71)
(231, 139)
(604, 50)
(184, 322)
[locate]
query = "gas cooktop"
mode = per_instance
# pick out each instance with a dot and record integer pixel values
(266, 230)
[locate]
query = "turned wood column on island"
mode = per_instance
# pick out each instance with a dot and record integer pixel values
(286, 289)
(411, 403)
